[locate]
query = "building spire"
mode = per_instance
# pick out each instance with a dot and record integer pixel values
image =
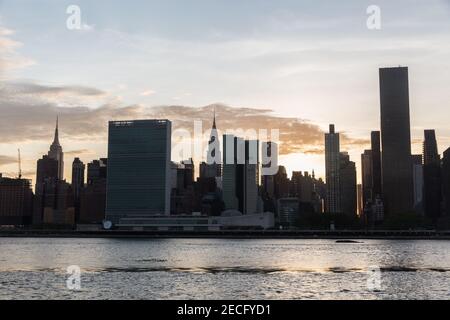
(214, 121)
(56, 139)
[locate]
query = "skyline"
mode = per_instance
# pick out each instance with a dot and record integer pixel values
(43, 78)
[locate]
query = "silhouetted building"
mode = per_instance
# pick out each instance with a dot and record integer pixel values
(359, 200)
(295, 184)
(430, 149)
(16, 201)
(376, 164)
(347, 184)
(182, 196)
(57, 154)
(269, 150)
(252, 202)
(138, 182)
(231, 179)
(46, 175)
(418, 182)
(396, 141)
(47, 168)
(208, 197)
(431, 176)
(97, 169)
(446, 181)
(373, 213)
(332, 168)
(54, 204)
(288, 212)
(281, 183)
(269, 173)
(78, 169)
(321, 192)
(302, 186)
(367, 176)
(93, 196)
(241, 175)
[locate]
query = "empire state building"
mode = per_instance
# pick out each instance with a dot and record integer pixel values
(56, 153)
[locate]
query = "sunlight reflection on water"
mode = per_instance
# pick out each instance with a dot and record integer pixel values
(223, 269)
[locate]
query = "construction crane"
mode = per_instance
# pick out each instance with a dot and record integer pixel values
(20, 165)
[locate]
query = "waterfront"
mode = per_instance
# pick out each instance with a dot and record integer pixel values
(35, 268)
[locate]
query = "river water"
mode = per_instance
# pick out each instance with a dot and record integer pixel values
(33, 268)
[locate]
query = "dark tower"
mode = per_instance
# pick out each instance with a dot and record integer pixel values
(446, 181)
(431, 176)
(376, 164)
(347, 186)
(397, 179)
(332, 169)
(367, 178)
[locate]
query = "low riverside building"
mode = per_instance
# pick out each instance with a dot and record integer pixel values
(16, 198)
(228, 220)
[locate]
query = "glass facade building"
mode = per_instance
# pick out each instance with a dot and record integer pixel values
(397, 169)
(139, 155)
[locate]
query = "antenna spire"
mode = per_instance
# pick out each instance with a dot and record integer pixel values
(56, 139)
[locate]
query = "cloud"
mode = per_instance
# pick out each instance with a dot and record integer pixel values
(25, 119)
(147, 93)
(77, 153)
(27, 88)
(29, 110)
(9, 58)
(5, 160)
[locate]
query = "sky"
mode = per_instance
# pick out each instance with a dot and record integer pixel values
(293, 65)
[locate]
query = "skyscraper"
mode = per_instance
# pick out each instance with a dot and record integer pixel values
(359, 200)
(139, 154)
(281, 183)
(230, 172)
(376, 164)
(56, 153)
(47, 168)
(367, 177)
(446, 181)
(347, 181)
(241, 174)
(251, 172)
(431, 176)
(78, 169)
(430, 149)
(269, 150)
(93, 196)
(97, 170)
(397, 181)
(418, 182)
(46, 177)
(332, 168)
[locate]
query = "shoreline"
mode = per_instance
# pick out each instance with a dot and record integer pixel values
(232, 234)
